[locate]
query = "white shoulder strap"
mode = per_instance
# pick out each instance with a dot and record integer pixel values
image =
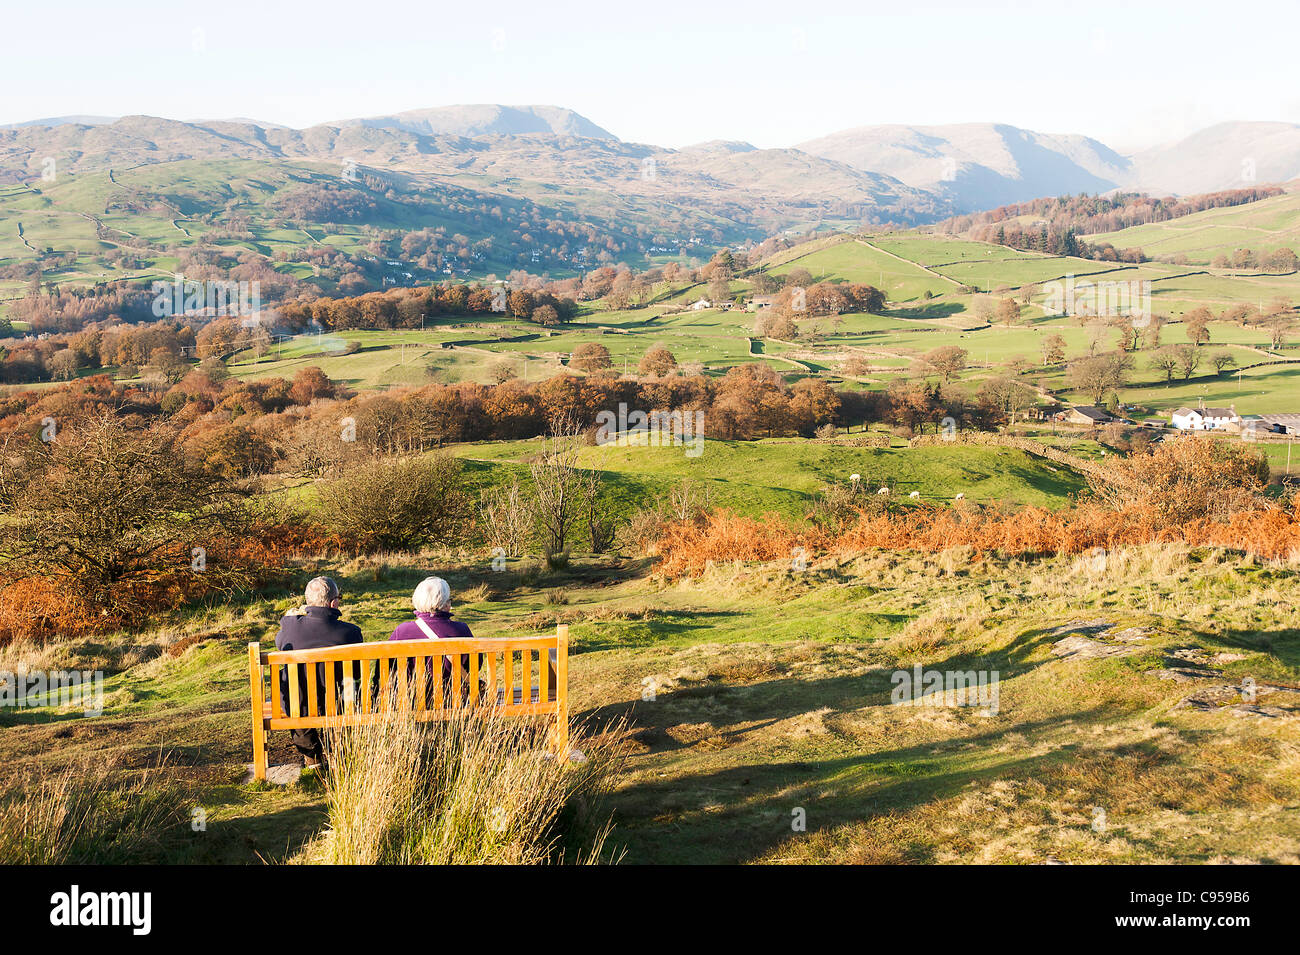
(428, 630)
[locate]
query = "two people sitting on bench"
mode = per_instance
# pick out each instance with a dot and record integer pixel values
(318, 625)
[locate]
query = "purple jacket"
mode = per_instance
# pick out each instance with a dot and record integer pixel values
(439, 622)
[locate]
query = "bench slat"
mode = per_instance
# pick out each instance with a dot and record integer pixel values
(543, 671)
(422, 665)
(510, 670)
(277, 701)
(294, 708)
(403, 684)
(331, 690)
(313, 702)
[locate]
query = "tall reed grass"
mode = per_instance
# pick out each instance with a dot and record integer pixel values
(86, 815)
(473, 788)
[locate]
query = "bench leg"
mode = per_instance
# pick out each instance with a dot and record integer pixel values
(259, 727)
(560, 662)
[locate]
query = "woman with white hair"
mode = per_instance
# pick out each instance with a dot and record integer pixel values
(432, 603)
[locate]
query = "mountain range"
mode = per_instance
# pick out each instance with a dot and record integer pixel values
(871, 174)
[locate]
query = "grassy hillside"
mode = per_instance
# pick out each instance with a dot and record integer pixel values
(1262, 226)
(785, 477)
(758, 691)
(150, 211)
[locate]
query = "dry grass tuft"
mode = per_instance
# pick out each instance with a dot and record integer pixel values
(475, 788)
(83, 815)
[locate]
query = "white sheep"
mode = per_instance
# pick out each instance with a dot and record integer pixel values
(883, 490)
(960, 495)
(914, 495)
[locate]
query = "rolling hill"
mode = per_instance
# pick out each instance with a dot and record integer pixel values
(1262, 226)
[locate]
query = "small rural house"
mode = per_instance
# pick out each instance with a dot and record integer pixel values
(701, 305)
(1205, 419)
(1085, 415)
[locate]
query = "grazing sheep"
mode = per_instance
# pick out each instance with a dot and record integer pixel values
(960, 496)
(883, 490)
(914, 494)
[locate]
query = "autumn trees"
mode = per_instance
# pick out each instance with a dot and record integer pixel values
(398, 505)
(1053, 349)
(947, 361)
(118, 515)
(1184, 479)
(657, 361)
(413, 307)
(590, 356)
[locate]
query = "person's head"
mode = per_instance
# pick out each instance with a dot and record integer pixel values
(321, 592)
(433, 594)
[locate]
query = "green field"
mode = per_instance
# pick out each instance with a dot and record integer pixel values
(785, 477)
(856, 261)
(1262, 226)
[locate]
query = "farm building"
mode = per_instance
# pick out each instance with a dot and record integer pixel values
(1287, 423)
(701, 305)
(1205, 419)
(1084, 414)
(760, 302)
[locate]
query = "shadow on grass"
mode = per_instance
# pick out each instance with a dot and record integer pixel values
(935, 310)
(740, 813)
(268, 838)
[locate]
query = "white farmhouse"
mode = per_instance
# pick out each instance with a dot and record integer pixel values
(1205, 419)
(701, 305)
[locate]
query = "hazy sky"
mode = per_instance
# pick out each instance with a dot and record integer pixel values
(670, 73)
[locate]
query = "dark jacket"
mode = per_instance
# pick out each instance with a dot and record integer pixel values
(316, 628)
(444, 627)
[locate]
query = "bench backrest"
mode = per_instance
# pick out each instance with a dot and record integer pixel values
(364, 682)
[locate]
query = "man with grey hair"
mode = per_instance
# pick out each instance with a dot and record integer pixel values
(316, 625)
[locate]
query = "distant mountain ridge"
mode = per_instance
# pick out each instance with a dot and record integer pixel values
(876, 174)
(486, 120)
(549, 154)
(978, 166)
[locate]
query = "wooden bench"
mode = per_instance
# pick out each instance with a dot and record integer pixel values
(506, 673)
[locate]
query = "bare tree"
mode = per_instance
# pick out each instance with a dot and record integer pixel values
(507, 516)
(1098, 375)
(1165, 360)
(557, 490)
(1189, 359)
(947, 360)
